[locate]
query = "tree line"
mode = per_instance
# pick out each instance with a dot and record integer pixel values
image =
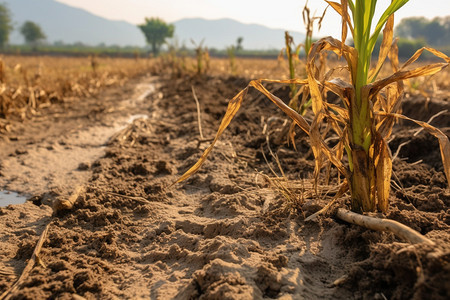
(434, 32)
(414, 33)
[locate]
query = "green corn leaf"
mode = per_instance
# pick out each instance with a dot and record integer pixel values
(393, 7)
(352, 6)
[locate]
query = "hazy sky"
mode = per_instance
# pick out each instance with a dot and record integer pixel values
(283, 14)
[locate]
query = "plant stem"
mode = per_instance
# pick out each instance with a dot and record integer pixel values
(363, 175)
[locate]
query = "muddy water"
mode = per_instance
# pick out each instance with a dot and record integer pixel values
(57, 165)
(7, 198)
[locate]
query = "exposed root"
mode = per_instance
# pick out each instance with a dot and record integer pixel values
(400, 230)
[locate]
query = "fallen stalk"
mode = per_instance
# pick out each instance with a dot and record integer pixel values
(400, 230)
(33, 260)
(67, 204)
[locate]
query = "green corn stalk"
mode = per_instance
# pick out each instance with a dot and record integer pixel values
(362, 165)
(291, 56)
(231, 51)
(202, 57)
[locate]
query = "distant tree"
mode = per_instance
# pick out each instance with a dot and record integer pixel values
(435, 32)
(411, 28)
(32, 33)
(406, 46)
(156, 31)
(59, 43)
(5, 24)
(239, 43)
(79, 44)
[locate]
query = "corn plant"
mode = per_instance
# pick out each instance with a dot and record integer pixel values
(369, 106)
(175, 59)
(231, 52)
(293, 53)
(309, 26)
(369, 116)
(292, 57)
(94, 64)
(202, 57)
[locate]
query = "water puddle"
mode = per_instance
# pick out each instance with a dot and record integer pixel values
(7, 198)
(135, 117)
(122, 125)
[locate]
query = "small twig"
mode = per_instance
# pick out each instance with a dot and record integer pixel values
(33, 260)
(399, 148)
(416, 163)
(400, 230)
(198, 113)
(401, 188)
(431, 119)
(138, 199)
(268, 164)
(200, 141)
(274, 156)
(396, 186)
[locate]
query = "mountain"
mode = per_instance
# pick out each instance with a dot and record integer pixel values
(224, 32)
(61, 22)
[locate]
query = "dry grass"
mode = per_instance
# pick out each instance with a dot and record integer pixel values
(30, 83)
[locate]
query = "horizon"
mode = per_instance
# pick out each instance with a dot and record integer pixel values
(289, 19)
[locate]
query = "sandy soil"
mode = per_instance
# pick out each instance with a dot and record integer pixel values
(224, 233)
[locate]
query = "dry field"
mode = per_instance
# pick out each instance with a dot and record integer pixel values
(94, 145)
(31, 83)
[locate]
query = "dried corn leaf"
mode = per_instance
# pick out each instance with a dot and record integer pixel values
(341, 9)
(393, 56)
(386, 43)
(383, 167)
(337, 113)
(316, 145)
(330, 44)
(344, 90)
(444, 143)
(297, 118)
(420, 51)
(374, 88)
(235, 104)
(344, 187)
(394, 95)
(316, 94)
(232, 109)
